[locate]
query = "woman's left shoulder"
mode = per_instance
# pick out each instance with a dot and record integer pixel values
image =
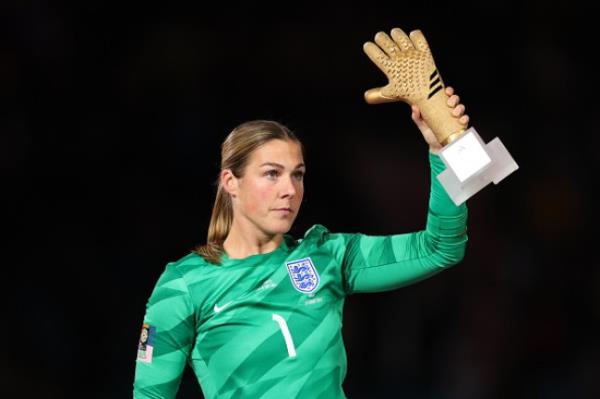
(321, 235)
(317, 230)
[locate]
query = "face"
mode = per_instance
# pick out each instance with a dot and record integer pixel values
(267, 197)
(144, 336)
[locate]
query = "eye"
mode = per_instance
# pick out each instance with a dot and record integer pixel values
(272, 173)
(299, 175)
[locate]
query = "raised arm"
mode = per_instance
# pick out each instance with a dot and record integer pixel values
(381, 263)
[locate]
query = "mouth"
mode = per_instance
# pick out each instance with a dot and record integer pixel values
(283, 210)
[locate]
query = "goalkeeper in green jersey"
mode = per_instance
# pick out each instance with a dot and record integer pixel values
(257, 313)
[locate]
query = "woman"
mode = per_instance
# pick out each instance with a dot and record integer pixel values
(257, 313)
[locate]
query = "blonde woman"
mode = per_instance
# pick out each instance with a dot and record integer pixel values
(257, 313)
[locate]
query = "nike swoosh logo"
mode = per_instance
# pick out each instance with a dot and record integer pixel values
(218, 308)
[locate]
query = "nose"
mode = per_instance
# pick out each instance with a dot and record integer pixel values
(288, 189)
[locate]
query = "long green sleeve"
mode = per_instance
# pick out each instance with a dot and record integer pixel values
(169, 320)
(381, 263)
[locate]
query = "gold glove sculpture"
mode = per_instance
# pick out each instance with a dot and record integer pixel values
(413, 78)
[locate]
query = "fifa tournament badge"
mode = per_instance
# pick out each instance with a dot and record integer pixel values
(146, 344)
(413, 78)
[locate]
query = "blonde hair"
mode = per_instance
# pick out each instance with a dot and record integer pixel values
(235, 153)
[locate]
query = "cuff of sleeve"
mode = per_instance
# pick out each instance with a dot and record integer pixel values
(436, 163)
(439, 201)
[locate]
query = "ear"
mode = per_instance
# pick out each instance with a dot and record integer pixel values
(229, 182)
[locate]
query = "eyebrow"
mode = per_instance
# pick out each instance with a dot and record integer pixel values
(277, 165)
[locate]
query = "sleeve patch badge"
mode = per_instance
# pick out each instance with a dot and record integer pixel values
(146, 344)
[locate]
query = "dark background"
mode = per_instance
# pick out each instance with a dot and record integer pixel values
(112, 115)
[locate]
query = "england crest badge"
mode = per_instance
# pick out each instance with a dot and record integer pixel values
(304, 275)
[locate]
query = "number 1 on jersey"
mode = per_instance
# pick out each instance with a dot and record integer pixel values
(286, 334)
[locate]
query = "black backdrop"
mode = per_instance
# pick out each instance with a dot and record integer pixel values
(112, 117)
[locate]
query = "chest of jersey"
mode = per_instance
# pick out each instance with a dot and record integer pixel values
(262, 322)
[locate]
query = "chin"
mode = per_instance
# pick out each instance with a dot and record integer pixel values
(281, 227)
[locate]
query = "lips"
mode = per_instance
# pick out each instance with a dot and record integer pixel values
(283, 210)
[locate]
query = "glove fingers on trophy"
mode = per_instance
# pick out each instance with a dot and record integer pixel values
(418, 39)
(378, 96)
(387, 44)
(378, 57)
(401, 39)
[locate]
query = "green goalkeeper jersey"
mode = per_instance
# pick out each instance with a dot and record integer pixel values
(269, 325)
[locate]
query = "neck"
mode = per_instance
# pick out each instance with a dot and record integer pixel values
(244, 241)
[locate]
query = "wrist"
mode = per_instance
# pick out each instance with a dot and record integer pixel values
(435, 149)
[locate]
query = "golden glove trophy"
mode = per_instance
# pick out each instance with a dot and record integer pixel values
(413, 78)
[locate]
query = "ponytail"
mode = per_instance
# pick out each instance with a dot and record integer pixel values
(218, 228)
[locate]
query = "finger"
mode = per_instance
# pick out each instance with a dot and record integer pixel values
(464, 119)
(401, 39)
(387, 44)
(453, 100)
(418, 120)
(416, 113)
(374, 96)
(376, 55)
(418, 39)
(459, 110)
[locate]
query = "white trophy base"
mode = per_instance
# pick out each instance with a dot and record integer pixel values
(471, 165)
